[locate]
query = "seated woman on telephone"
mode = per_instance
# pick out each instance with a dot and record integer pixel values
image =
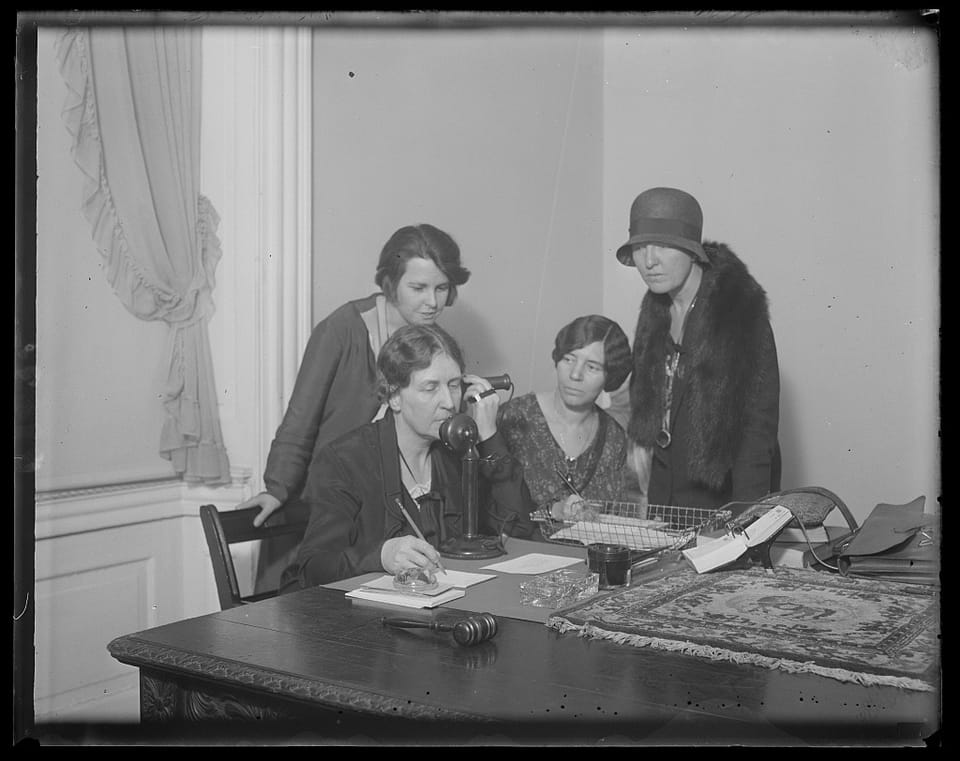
(358, 482)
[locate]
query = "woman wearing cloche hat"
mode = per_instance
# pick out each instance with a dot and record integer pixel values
(705, 388)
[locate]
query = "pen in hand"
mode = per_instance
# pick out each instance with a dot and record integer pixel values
(568, 482)
(416, 529)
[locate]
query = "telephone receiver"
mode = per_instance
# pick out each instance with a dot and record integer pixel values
(498, 382)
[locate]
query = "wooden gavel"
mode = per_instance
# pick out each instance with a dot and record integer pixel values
(467, 631)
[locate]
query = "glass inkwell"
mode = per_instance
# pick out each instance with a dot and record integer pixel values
(415, 580)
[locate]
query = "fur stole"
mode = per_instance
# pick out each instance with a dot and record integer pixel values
(723, 343)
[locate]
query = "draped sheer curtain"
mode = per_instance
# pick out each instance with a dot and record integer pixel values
(133, 111)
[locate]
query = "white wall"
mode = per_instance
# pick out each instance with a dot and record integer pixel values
(814, 153)
(492, 135)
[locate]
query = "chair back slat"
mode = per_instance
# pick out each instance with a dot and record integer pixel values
(238, 526)
(225, 528)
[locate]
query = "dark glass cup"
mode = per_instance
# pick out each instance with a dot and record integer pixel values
(612, 563)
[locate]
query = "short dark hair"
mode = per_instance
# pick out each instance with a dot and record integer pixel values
(409, 349)
(583, 331)
(427, 242)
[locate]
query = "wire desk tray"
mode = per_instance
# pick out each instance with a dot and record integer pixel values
(648, 530)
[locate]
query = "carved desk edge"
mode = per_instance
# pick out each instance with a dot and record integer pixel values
(132, 651)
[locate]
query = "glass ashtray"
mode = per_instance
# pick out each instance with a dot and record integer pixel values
(415, 580)
(558, 589)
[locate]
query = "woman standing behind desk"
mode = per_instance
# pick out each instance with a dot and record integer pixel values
(569, 447)
(336, 388)
(705, 390)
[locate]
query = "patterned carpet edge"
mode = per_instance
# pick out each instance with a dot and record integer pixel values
(565, 626)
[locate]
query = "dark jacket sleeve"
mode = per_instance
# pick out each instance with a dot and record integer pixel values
(292, 447)
(508, 500)
(333, 394)
(345, 532)
(753, 467)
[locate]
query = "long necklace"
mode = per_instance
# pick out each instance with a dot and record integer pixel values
(672, 368)
(571, 461)
(419, 488)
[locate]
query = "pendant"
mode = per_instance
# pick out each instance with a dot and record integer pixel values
(663, 438)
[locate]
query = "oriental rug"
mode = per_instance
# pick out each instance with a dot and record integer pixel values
(801, 621)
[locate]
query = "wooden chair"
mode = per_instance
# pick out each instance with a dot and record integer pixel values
(224, 528)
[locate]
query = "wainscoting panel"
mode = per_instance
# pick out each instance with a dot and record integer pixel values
(110, 561)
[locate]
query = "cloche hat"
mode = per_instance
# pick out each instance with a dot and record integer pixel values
(666, 216)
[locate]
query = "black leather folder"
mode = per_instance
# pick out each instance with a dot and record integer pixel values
(895, 543)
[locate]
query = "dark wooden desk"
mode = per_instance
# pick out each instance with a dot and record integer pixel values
(316, 667)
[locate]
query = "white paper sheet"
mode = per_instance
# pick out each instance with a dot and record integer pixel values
(463, 579)
(534, 562)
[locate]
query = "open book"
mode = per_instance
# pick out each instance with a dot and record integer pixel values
(729, 547)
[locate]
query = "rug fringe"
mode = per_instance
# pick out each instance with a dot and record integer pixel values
(722, 654)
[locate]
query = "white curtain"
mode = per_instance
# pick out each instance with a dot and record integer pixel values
(133, 111)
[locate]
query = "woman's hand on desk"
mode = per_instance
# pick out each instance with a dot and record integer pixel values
(406, 551)
(267, 503)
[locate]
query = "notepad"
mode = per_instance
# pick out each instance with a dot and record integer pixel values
(445, 580)
(406, 599)
(385, 584)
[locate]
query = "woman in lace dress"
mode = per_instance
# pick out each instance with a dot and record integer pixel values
(570, 448)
